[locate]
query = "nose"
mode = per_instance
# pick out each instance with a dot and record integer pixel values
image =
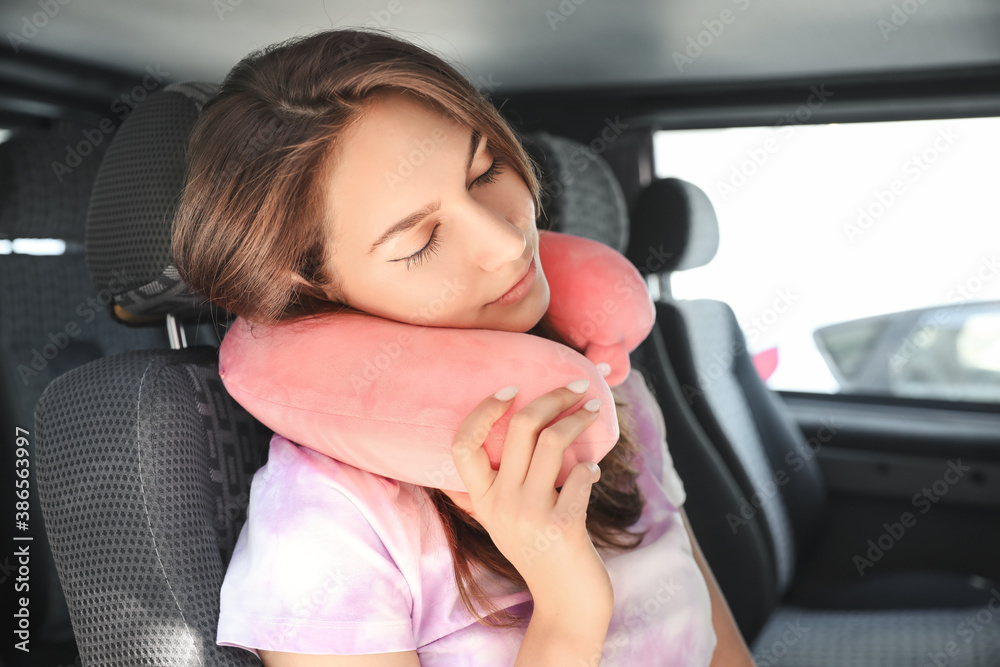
(499, 242)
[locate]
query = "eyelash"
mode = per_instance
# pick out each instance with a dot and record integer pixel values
(488, 176)
(423, 253)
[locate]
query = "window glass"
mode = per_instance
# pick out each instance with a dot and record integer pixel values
(865, 256)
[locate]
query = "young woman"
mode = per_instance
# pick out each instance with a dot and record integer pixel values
(353, 170)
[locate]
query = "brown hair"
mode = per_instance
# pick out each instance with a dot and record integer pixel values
(252, 210)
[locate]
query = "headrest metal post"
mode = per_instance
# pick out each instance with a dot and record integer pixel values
(175, 333)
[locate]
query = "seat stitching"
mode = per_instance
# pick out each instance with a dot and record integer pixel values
(149, 522)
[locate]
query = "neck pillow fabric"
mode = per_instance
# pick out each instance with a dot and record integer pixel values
(388, 397)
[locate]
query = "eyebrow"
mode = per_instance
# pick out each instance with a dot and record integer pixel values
(414, 218)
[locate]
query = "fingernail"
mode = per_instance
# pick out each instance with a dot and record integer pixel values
(604, 369)
(594, 468)
(578, 386)
(593, 405)
(506, 393)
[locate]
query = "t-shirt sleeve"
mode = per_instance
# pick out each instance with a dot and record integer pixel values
(309, 573)
(672, 483)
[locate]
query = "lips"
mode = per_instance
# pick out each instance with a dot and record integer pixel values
(520, 288)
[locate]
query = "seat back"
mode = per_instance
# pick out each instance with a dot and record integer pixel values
(145, 464)
(752, 432)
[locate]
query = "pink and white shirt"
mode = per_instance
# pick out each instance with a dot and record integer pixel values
(336, 560)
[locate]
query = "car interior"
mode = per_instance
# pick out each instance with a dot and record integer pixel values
(857, 524)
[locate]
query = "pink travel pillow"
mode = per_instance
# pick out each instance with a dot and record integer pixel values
(388, 397)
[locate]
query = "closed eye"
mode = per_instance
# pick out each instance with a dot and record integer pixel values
(425, 252)
(490, 175)
(487, 177)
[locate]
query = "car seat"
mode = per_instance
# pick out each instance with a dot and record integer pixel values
(702, 368)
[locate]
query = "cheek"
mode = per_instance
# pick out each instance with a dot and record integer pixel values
(512, 198)
(370, 283)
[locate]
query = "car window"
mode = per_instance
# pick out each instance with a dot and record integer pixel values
(859, 258)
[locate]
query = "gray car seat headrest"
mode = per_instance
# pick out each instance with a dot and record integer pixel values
(139, 184)
(580, 193)
(134, 201)
(674, 227)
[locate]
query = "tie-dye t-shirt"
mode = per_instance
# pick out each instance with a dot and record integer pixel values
(336, 560)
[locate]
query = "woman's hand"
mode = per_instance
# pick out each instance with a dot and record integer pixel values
(542, 532)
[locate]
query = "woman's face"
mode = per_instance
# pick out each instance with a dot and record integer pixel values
(426, 229)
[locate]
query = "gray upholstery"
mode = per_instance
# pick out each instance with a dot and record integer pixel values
(741, 560)
(911, 638)
(144, 460)
(686, 246)
(713, 356)
(135, 197)
(580, 195)
(146, 465)
(751, 431)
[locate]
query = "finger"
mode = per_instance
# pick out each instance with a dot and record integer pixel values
(547, 460)
(525, 427)
(471, 460)
(574, 499)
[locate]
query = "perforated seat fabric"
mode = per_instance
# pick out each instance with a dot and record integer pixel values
(586, 200)
(714, 349)
(146, 466)
(134, 201)
(915, 638)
